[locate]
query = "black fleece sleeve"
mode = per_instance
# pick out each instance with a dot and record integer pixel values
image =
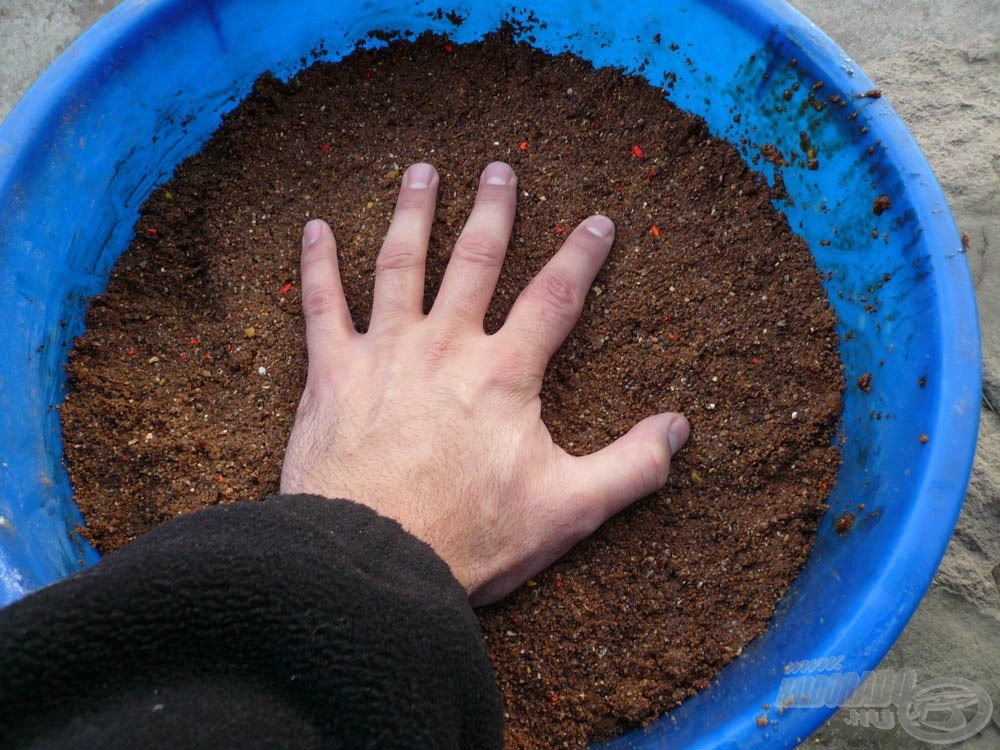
(294, 622)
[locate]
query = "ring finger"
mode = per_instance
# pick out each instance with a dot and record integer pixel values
(399, 270)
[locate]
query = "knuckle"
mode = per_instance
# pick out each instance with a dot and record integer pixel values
(409, 200)
(397, 256)
(558, 294)
(654, 467)
(478, 248)
(318, 302)
(515, 371)
(439, 349)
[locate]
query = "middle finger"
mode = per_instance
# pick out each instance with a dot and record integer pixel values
(471, 276)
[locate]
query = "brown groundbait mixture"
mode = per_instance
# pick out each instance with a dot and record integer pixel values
(184, 387)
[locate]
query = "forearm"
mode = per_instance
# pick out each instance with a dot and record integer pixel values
(326, 618)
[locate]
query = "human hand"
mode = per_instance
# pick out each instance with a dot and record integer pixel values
(432, 422)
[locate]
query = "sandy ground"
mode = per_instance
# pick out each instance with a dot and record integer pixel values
(938, 62)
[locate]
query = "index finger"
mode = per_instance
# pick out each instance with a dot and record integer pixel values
(548, 308)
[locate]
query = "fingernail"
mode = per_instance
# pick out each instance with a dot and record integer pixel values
(498, 173)
(601, 226)
(313, 231)
(677, 434)
(419, 176)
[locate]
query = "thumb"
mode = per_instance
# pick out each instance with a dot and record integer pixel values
(633, 466)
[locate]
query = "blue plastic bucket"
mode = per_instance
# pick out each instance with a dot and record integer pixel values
(146, 86)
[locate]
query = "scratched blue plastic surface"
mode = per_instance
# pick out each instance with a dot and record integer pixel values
(146, 86)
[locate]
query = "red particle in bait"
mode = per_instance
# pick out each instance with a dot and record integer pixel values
(638, 153)
(287, 288)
